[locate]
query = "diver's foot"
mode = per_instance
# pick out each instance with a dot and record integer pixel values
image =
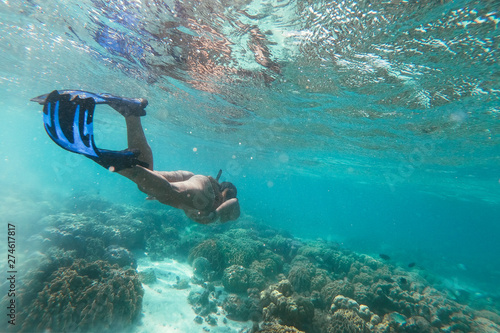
(127, 106)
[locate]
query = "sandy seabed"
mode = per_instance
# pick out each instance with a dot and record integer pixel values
(166, 309)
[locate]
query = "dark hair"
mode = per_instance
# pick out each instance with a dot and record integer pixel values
(231, 190)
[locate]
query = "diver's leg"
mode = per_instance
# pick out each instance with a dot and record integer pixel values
(137, 140)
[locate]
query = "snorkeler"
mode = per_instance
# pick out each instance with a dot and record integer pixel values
(68, 119)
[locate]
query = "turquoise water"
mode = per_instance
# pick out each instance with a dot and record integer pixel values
(373, 125)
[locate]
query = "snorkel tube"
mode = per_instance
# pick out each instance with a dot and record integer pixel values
(218, 175)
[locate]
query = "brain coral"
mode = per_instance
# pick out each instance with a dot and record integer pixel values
(332, 289)
(210, 250)
(86, 296)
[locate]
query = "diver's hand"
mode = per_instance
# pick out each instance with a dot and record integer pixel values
(204, 219)
(229, 210)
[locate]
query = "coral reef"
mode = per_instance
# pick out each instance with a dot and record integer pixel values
(290, 284)
(203, 302)
(202, 269)
(276, 328)
(71, 231)
(120, 256)
(211, 250)
(277, 307)
(346, 321)
(238, 279)
(241, 308)
(300, 278)
(335, 288)
(85, 296)
(164, 242)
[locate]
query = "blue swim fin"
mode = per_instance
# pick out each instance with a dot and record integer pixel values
(68, 120)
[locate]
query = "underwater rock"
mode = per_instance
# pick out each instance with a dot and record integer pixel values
(181, 283)
(119, 255)
(148, 276)
(211, 320)
(86, 296)
(203, 303)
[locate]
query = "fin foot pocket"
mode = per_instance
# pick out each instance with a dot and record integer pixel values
(125, 106)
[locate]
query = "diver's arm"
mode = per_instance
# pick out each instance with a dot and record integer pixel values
(228, 211)
(152, 183)
(176, 176)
